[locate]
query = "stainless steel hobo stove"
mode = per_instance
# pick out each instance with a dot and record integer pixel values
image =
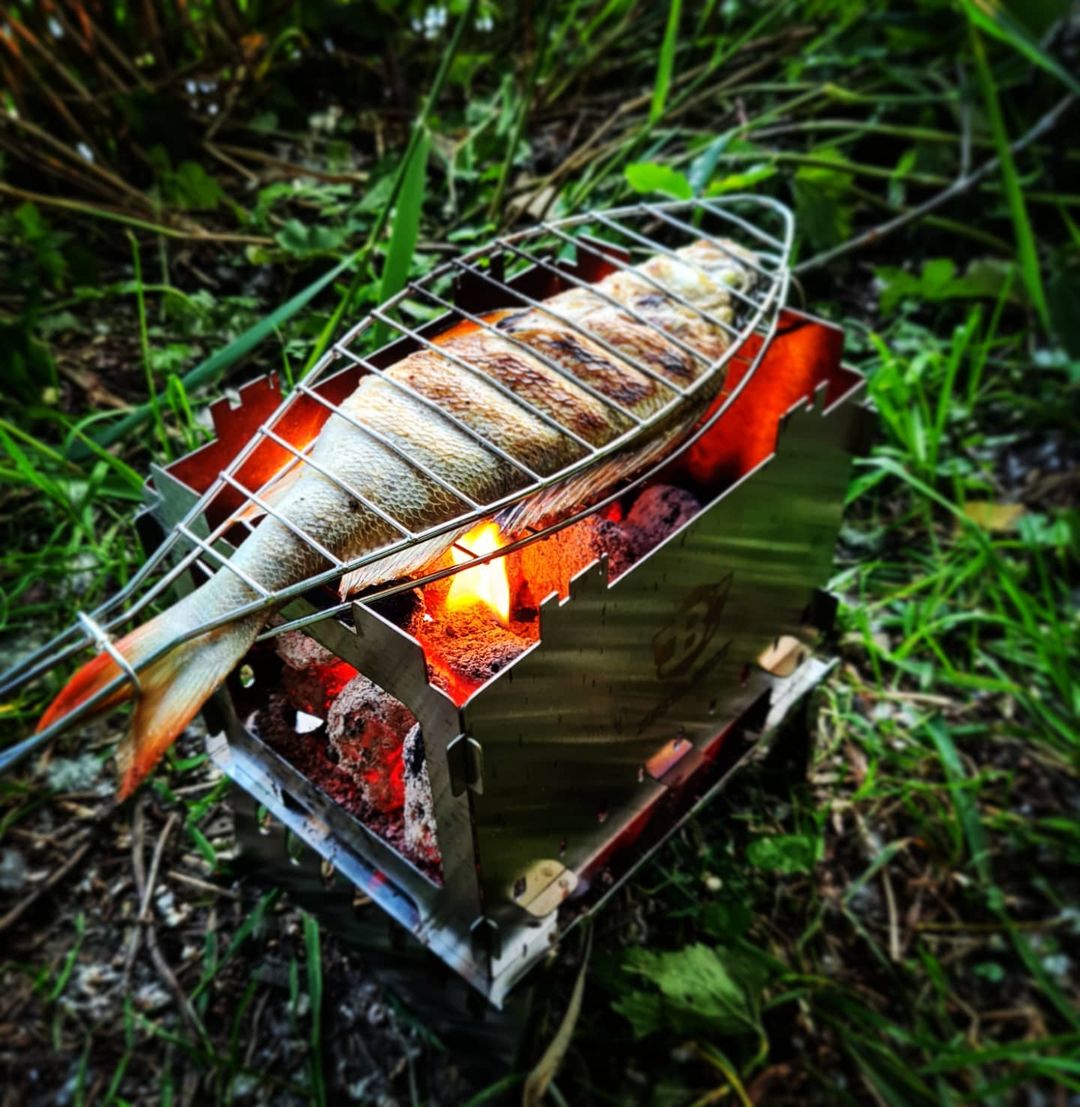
(646, 678)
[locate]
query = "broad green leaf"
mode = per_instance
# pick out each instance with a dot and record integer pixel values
(823, 200)
(193, 188)
(938, 280)
(725, 919)
(701, 989)
(307, 239)
(645, 1011)
(1057, 532)
(644, 176)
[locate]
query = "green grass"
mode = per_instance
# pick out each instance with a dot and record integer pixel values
(904, 930)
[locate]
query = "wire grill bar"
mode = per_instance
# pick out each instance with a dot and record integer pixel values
(389, 443)
(748, 262)
(106, 645)
(259, 502)
(447, 416)
(508, 336)
(583, 244)
(222, 560)
(758, 313)
(659, 248)
(305, 458)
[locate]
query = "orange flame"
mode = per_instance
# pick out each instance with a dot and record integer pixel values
(485, 584)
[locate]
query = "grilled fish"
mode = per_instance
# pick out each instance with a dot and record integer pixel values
(626, 348)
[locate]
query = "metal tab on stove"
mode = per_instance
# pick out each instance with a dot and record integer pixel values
(543, 887)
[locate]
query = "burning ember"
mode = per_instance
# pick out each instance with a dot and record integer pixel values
(485, 584)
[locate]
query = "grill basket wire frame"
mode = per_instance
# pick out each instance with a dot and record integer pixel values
(628, 229)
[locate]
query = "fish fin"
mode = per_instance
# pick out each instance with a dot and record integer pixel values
(410, 560)
(87, 680)
(577, 492)
(171, 689)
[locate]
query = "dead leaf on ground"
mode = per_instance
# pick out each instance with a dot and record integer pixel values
(996, 518)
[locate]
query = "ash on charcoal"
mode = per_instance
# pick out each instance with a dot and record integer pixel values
(312, 676)
(612, 539)
(657, 513)
(314, 690)
(477, 646)
(467, 647)
(419, 805)
(301, 651)
(366, 726)
(549, 565)
(402, 609)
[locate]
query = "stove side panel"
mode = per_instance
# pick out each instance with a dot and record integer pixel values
(666, 652)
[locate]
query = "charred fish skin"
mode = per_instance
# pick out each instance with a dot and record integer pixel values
(539, 393)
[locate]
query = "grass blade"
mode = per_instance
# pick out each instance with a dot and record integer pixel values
(666, 63)
(1025, 237)
(991, 17)
(967, 813)
(419, 132)
(213, 367)
(406, 228)
(315, 995)
(144, 347)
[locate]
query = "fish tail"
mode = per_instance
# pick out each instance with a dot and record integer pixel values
(171, 689)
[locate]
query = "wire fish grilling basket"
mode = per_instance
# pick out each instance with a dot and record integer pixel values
(756, 232)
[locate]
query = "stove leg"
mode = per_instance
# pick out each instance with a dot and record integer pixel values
(786, 764)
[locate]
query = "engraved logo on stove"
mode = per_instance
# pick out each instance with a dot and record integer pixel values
(679, 645)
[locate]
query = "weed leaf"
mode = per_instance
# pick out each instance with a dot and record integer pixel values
(645, 176)
(699, 988)
(783, 853)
